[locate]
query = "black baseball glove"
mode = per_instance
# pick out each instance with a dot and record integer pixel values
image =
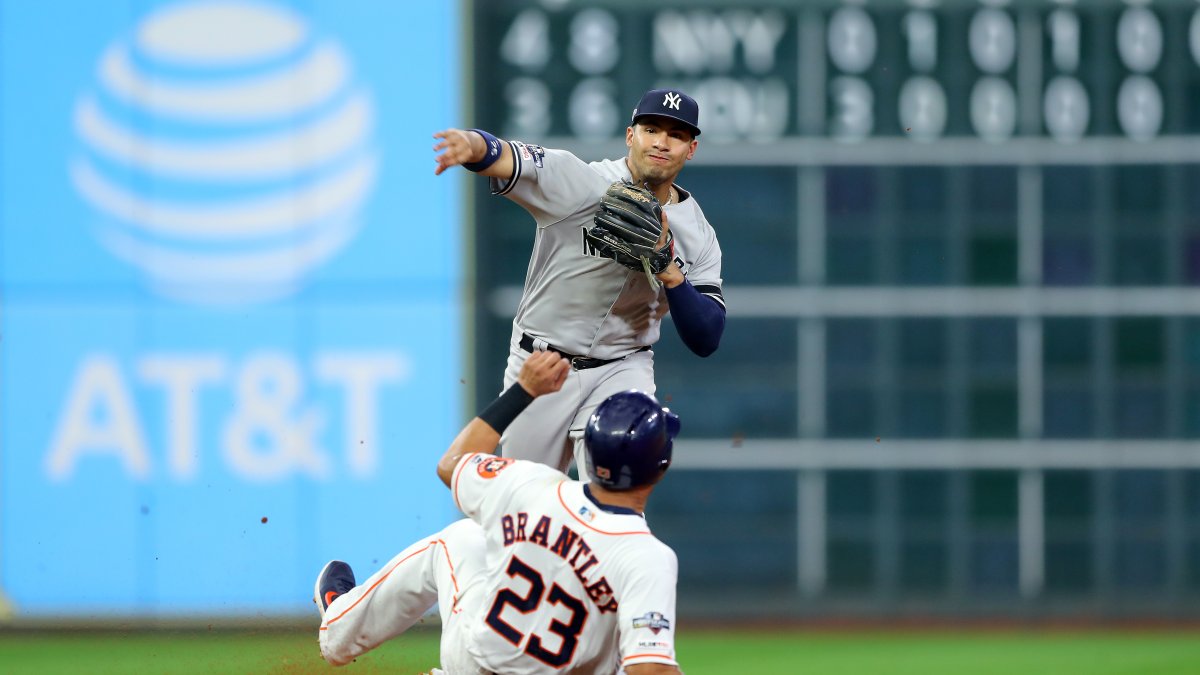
(627, 228)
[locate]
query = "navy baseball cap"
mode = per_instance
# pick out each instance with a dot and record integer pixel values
(670, 103)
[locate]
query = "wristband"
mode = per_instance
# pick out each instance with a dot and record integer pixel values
(501, 412)
(489, 157)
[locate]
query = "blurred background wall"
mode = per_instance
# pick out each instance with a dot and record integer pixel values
(232, 336)
(240, 318)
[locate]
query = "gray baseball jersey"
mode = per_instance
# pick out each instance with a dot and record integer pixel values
(569, 585)
(575, 300)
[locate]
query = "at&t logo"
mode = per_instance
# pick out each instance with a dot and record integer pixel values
(226, 150)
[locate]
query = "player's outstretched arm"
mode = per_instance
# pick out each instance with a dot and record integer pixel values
(474, 150)
(542, 373)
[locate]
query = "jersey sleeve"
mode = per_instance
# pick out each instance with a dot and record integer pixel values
(705, 272)
(647, 609)
(483, 485)
(549, 184)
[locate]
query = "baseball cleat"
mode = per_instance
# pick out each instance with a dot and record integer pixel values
(335, 578)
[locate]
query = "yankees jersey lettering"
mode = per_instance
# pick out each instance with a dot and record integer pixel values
(570, 586)
(573, 299)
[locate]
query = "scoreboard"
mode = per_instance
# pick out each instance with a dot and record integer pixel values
(852, 72)
(961, 250)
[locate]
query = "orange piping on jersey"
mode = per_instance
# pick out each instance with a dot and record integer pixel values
(585, 523)
(453, 579)
(458, 469)
(649, 656)
(381, 580)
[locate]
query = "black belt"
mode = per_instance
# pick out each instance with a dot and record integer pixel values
(577, 362)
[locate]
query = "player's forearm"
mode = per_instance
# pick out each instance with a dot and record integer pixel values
(542, 373)
(699, 320)
(492, 156)
(482, 434)
(477, 436)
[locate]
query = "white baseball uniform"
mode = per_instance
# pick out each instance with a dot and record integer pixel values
(582, 304)
(540, 579)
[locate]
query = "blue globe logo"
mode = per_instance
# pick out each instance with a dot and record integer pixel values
(226, 151)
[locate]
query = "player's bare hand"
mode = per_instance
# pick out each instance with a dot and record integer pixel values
(672, 276)
(543, 373)
(457, 147)
(662, 238)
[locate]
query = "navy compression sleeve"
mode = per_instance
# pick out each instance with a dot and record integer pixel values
(699, 319)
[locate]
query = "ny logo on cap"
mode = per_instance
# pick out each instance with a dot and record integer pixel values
(671, 100)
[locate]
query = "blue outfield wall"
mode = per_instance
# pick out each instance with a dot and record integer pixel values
(230, 324)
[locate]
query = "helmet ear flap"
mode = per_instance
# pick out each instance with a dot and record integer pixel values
(672, 423)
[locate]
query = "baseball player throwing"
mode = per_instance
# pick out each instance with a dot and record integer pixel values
(598, 308)
(546, 575)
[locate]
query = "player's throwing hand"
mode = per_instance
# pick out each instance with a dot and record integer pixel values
(455, 148)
